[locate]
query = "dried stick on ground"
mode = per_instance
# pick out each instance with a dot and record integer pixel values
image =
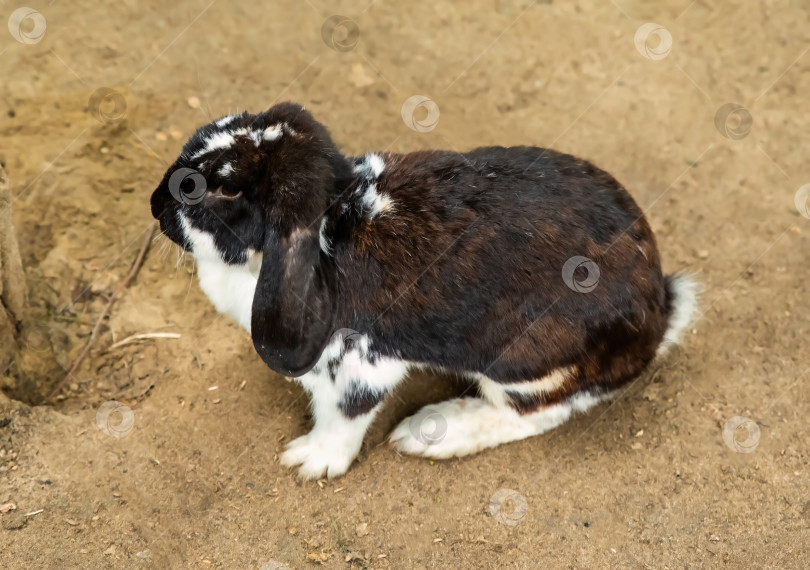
(136, 265)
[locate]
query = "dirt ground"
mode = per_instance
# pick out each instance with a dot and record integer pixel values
(190, 476)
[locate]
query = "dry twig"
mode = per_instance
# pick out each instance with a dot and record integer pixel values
(133, 271)
(142, 336)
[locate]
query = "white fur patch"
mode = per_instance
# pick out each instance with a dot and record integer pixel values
(335, 439)
(376, 203)
(272, 133)
(225, 170)
(468, 425)
(326, 245)
(254, 135)
(214, 142)
(230, 288)
(224, 121)
(226, 139)
(684, 307)
(495, 392)
(371, 166)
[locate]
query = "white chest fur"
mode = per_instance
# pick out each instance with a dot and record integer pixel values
(230, 288)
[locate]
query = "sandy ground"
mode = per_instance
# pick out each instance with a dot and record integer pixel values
(194, 481)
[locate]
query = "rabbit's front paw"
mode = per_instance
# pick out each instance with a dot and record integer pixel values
(318, 455)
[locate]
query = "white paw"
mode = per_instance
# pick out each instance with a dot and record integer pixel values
(318, 455)
(458, 427)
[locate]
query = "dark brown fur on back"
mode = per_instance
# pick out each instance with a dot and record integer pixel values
(465, 269)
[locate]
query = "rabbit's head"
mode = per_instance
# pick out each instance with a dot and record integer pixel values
(244, 174)
(249, 185)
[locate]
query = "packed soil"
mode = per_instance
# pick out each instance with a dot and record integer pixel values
(186, 473)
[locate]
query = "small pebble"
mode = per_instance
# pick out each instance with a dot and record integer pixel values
(193, 102)
(703, 253)
(144, 554)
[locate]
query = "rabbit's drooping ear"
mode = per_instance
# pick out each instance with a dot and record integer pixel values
(294, 304)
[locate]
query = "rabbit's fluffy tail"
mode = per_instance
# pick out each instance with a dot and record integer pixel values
(682, 291)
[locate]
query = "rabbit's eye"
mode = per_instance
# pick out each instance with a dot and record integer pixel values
(188, 185)
(226, 193)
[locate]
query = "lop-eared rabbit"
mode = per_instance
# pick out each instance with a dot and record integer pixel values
(531, 273)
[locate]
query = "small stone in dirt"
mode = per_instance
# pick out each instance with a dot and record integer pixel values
(362, 529)
(14, 521)
(703, 253)
(193, 102)
(110, 550)
(145, 554)
(7, 507)
(318, 557)
(161, 136)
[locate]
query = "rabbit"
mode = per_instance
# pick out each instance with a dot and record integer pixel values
(531, 273)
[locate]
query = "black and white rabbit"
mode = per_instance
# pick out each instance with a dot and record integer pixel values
(532, 273)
